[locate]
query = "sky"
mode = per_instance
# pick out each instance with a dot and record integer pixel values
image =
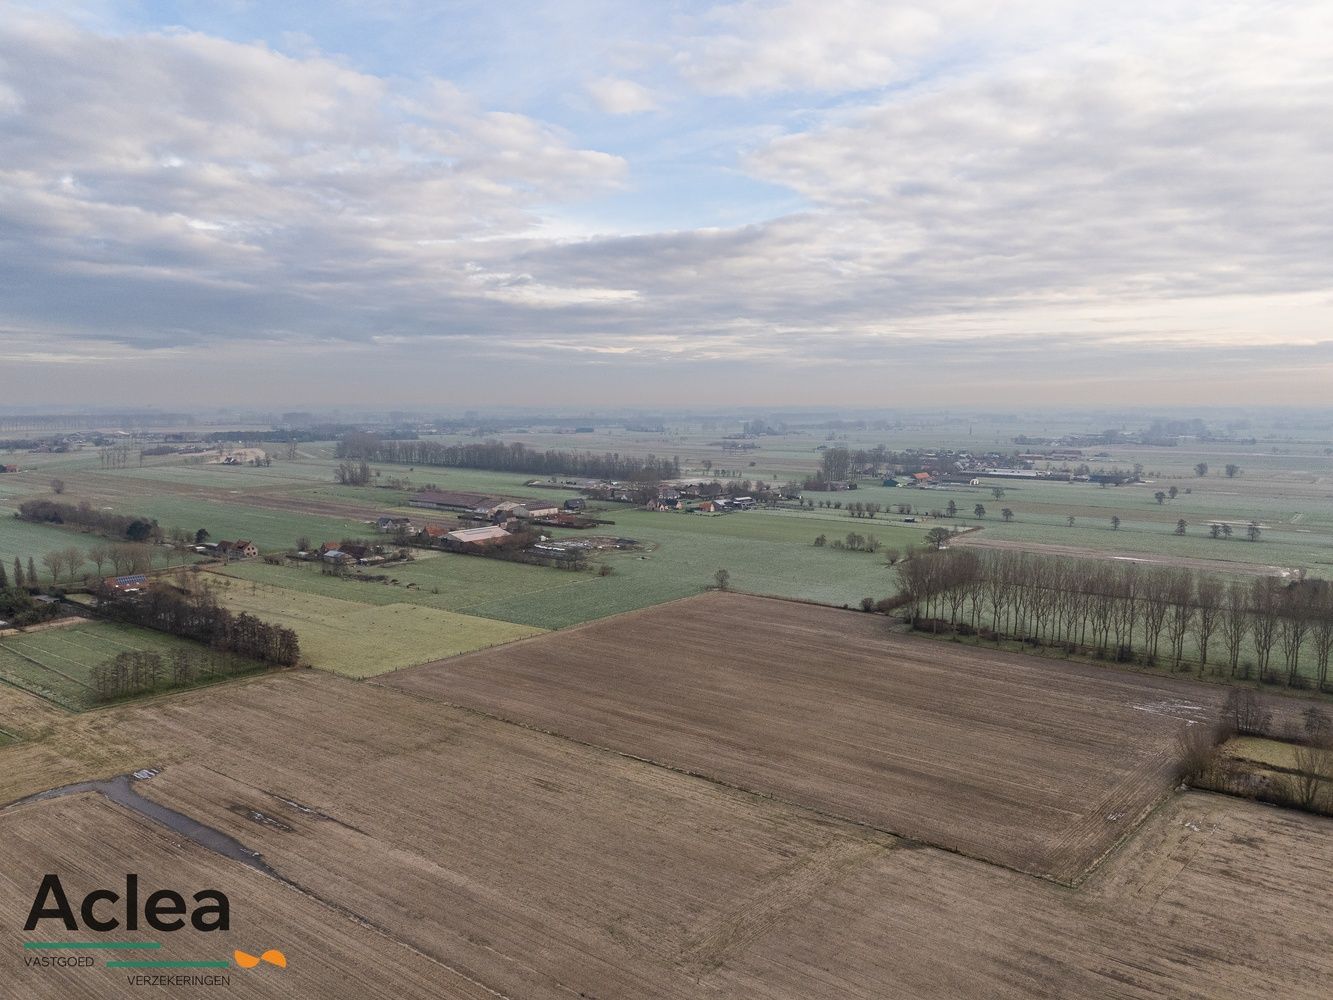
(585, 203)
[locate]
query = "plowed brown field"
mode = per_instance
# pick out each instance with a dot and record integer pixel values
(424, 851)
(1035, 764)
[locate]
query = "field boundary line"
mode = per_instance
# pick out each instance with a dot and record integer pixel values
(1115, 848)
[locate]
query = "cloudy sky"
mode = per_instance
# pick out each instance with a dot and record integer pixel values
(583, 202)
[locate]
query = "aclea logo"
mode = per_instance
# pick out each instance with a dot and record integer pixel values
(105, 910)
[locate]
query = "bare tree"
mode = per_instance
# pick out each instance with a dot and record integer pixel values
(1266, 604)
(1236, 623)
(75, 557)
(1323, 633)
(1244, 713)
(1180, 595)
(1208, 595)
(54, 561)
(1309, 785)
(99, 554)
(1293, 627)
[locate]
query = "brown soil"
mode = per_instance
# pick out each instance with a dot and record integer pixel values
(1034, 764)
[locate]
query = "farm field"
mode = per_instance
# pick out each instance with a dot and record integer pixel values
(457, 841)
(1145, 555)
(1272, 753)
(337, 956)
(363, 640)
(57, 663)
(1037, 765)
(26, 540)
(765, 553)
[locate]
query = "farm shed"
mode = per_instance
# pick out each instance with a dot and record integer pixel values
(475, 538)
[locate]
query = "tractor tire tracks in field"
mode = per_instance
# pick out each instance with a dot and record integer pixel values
(120, 790)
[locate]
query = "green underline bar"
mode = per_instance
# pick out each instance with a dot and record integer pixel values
(168, 965)
(126, 945)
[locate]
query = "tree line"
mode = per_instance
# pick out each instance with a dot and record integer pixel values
(1128, 611)
(82, 515)
(136, 671)
(198, 616)
(513, 457)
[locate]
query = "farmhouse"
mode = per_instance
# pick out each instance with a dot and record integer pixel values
(241, 549)
(474, 539)
(388, 524)
(132, 584)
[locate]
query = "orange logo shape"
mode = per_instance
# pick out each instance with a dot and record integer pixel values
(273, 957)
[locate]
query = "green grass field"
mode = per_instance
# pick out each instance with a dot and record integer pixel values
(57, 663)
(765, 553)
(361, 639)
(24, 540)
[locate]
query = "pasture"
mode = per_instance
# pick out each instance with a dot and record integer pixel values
(419, 850)
(766, 552)
(56, 663)
(363, 640)
(25, 540)
(1035, 765)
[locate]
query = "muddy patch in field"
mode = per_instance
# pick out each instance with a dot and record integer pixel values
(121, 791)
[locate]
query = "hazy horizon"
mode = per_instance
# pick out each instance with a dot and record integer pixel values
(845, 204)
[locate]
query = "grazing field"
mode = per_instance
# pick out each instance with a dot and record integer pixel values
(681, 554)
(1036, 765)
(1149, 556)
(25, 540)
(422, 851)
(57, 663)
(361, 640)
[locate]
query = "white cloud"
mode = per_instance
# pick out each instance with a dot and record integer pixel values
(620, 97)
(1044, 186)
(194, 159)
(826, 45)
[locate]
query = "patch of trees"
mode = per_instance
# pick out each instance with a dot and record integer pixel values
(513, 457)
(854, 541)
(134, 671)
(1129, 612)
(19, 609)
(1305, 783)
(198, 616)
(352, 473)
(84, 517)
